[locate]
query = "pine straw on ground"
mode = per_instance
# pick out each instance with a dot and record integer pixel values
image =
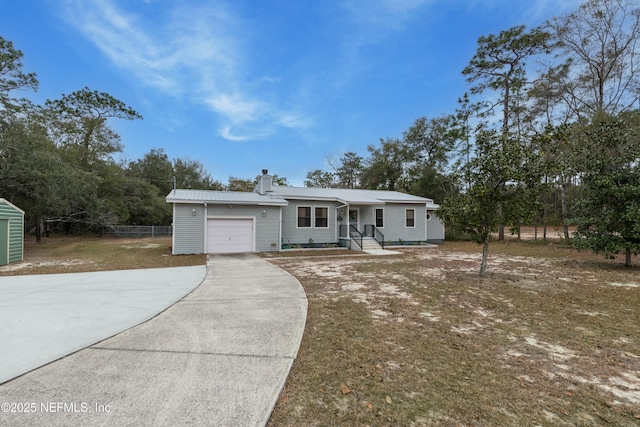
(549, 337)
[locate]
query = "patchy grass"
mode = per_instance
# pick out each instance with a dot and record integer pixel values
(79, 254)
(549, 337)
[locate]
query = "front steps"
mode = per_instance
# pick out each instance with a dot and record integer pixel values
(368, 244)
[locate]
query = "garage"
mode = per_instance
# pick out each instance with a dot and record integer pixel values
(230, 235)
(209, 221)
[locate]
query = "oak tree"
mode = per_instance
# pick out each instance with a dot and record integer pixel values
(608, 213)
(499, 189)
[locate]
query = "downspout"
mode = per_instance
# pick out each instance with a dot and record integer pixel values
(206, 232)
(280, 232)
(173, 230)
(426, 223)
(346, 205)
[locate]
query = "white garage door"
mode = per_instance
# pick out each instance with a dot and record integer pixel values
(226, 235)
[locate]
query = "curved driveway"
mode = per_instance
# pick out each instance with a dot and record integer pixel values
(220, 357)
(45, 317)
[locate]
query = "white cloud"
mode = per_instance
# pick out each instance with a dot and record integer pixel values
(246, 132)
(293, 121)
(117, 35)
(225, 132)
(235, 108)
(191, 52)
(540, 10)
(532, 13)
(370, 22)
(373, 18)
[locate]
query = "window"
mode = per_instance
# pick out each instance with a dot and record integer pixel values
(322, 217)
(410, 218)
(304, 216)
(379, 217)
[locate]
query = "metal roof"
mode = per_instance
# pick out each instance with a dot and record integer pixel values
(223, 197)
(279, 196)
(11, 205)
(349, 196)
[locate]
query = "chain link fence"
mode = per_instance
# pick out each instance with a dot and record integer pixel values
(138, 231)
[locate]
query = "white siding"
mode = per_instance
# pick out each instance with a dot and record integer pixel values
(435, 228)
(188, 229)
(395, 228)
(394, 222)
(292, 234)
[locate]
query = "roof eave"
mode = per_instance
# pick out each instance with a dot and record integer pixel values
(323, 199)
(417, 202)
(227, 202)
(365, 202)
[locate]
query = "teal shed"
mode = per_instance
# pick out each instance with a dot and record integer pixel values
(11, 233)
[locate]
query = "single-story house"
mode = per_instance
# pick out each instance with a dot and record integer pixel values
(273, 218)
(11, 233)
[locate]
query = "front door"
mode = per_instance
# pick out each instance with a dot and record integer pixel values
(354, 217)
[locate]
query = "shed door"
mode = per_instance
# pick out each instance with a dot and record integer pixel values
(227, 235)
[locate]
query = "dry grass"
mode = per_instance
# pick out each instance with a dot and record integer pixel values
(549, 338)
(79, 254)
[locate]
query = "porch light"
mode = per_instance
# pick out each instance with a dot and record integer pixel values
(264, 213)
(193, 212)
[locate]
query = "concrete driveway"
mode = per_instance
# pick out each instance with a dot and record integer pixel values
(45, 317)
(220, 356)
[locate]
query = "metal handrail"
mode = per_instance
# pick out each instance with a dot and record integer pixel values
(371, 230)
(378, 236)
(353, 231)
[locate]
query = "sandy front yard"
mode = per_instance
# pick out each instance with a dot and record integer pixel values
(548, 338)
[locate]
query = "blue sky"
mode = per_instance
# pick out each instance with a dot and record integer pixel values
(243, 85)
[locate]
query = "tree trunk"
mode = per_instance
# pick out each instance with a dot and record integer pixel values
(485, 255)
(627, 261)
(38, 230)
(505, 133)
(86, 142)
(544, 209)
(563, 196)
(501, 226)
